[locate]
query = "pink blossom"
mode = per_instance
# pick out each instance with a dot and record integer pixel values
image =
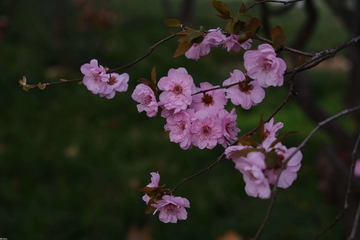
(213, 38)
(179, 125)
(144, 95)
(252, 167)
(246, 94)
(171, 208)
(229, 127)
(231, 151)
(211, 100)
(231, 43)
(155, 179)
(197, 50)
(95, 78)
(177, 88)
(116, 83)
(206, 129)
(270, 129)
(289, 174)
(263, 66)
(357, 168)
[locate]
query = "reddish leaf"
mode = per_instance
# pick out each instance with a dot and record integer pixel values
(245, 36)
(247, 141)
(281, 138)
(184, 45)
(153, 75)
(242, 8)
(220, 7)
(192, 35)
(276, 31)
(253, 24)
(271, 159)
(261, 128)
(279, 40)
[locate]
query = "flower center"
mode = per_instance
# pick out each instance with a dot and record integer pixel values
(112, 80)
(207, 99)
(177, 89)
(206, 129)
(245, 87)
(267, 64)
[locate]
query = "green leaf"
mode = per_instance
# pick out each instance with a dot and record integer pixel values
(172, 22)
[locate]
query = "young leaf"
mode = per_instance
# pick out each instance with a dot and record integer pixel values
(220, 7)
(278, 41)
(245, 36)
(184, 45)
(242, 8)
(281, 138)
(191, 36)
(41, 86)
(247, 141)
(276, 31)
(271, 159)
(172, 22)
(261, 128)
(244, 152)
(153, 75)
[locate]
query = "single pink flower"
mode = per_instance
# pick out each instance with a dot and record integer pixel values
(289, 174)
(211, 100)
(229, 127)
(177, 88)
(206, 129)
(179, 126)
(252, 167)
(155, 179)
(197, 50)
(231, 43)
(246, 94)
(271, 129)
(95, 78)
(214, 37)
(263, 66)
(116, 83)
(145, 96)
(171, 208)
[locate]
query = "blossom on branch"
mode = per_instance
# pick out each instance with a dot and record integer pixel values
(229, 127)
(155, 179)
(263, 66)
(210, 100)
(145, 96)
(171, 209)
(245, 93)
(99, 82)
(177, 88)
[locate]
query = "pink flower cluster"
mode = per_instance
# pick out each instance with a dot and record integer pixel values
(194, 116)
(215, 38)
(260, 166)
(99, 82)
(170, 208)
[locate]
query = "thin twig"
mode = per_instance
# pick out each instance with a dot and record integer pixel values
(272, 1)
(306, 54)
(198, 173)
(355, 225)
(346, 201)
(151, 49)
(285, 162)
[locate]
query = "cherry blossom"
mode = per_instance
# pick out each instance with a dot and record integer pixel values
(206, 129)
(289, 174)
(99, 82)
(171, 208)
(229, 127)
(252, 167)
(246, 94)
(211, 100)
(144, 95)
(231, 43)
(264, 66)
(95, 78)
(357, 168)
(179, 125)
(155, 179)
(177, 88)
(270, 129)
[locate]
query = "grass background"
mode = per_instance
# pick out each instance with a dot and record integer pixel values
(71, 162)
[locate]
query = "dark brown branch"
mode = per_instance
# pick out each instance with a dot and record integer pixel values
(351, 175)
(355, 225)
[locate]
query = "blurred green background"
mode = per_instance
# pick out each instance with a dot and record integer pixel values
(71, 162)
